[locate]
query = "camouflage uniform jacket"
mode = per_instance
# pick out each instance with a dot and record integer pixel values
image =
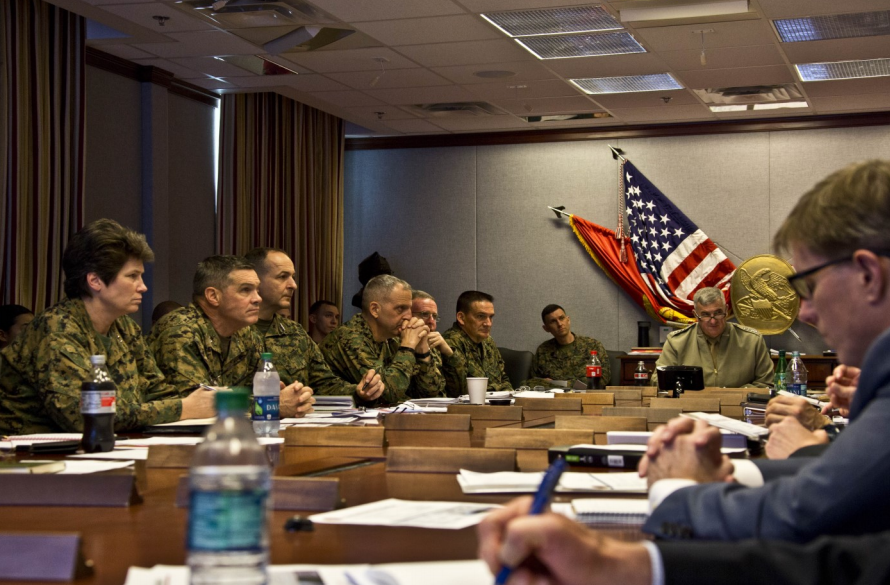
(351, 351)
(42, 371)
(297, 358)
(567, 362)
(740, 357)
(189, 352)
(476, 360)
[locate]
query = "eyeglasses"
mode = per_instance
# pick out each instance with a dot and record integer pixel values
(424, 315)
(804, 288)
(717, 316)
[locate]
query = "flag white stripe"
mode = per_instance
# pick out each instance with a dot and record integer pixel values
(705, 267)
(684, 249)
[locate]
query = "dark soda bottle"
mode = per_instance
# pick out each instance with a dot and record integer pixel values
(641, 375)
(594, 372)
(98, 397)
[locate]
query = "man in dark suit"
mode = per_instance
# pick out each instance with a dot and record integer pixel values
(840, 245)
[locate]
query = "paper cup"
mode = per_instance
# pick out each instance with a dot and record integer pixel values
(476, 388)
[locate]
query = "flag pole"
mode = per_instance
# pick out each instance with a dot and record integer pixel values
(559, 212)
(617, 153)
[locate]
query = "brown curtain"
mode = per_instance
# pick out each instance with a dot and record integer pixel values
(41, 147)
(281, 185)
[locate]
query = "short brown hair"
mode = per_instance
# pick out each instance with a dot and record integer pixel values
(257, 257)
(214, 272)
(468, 297)
(103, 247)
(847, 211)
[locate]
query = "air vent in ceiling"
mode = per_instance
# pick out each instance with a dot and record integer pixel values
(756, 94)
(254, 13)
(456, 110)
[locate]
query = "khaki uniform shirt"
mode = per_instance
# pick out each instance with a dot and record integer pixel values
(476, 360)
(188, 351)
(738, 358)
(298, 359)
(351, 351)
(567, 362)
(43, 369)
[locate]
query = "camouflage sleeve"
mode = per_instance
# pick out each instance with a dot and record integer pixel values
(454, 369)
(498, 381)
(353, 357)
(536, 365)
(178, 358)
(428, 381)
(320, 377)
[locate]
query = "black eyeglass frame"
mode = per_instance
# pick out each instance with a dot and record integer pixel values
(801, 287)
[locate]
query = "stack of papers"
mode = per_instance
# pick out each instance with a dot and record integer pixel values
(14, 441)
(393, 512)
(324, 403)
(730, 424)
(506, 482)
(611, 511)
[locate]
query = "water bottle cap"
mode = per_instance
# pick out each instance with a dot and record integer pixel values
(97, 360)
(796, 354)
(237, 398)
(266, 355)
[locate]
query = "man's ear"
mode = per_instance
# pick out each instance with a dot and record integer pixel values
(461, 317)
(94, 282)
(4, 338)
(313, 318)
(374, 309)
(872, 275)
(544, 327)
(213, 296)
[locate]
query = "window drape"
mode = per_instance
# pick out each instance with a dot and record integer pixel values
(281, 185)
(41, 147)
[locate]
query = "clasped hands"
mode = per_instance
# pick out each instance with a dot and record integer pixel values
(685, 448)
(415, 334)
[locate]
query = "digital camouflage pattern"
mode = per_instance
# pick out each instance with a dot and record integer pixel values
(351, 351)
(188, 351)
(42, 370)
(297, 358)
(474, 360)
(738, 358)
(567, 362)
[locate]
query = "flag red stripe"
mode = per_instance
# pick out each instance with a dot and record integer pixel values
(690, 263)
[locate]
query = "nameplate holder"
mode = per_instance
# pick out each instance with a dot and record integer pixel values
(42, 557)
(114, 489)
(315, 494)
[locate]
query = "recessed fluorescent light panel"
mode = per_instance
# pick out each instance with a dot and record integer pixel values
(566, 117)
(630, 84)
(834, 26)
(653, 10)
(553, 21)
(749, 107)
(566, 46)
(729, 108)
(843, 70)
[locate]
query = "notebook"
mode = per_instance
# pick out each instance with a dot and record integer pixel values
(621, 511)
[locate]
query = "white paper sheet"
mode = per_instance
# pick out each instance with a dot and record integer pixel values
(393, 512)
(83, 466)
(473, 482)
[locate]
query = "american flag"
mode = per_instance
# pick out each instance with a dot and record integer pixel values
(674, 257)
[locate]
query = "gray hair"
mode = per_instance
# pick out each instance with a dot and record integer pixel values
(379, 289)
(847, 211)
(708, 295)
(214, 272)
(419, 294)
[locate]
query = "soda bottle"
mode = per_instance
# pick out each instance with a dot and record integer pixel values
(266, 393)
(797, 375)
(641, 375)
(229, 482)
(594, 372)
(98, 396)
(779, 383)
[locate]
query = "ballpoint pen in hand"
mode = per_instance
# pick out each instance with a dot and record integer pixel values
(542, 498)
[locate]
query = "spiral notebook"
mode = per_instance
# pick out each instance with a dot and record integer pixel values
(613, 511)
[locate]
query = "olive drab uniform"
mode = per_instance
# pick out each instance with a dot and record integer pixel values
(567, 362)
(351, 351)
(737, 358)
(474, 360)
(42, 371)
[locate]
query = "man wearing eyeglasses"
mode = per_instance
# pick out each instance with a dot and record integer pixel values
(424, 307)
(730, 355)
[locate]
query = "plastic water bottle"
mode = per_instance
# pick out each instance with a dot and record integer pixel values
(594, 372)
(797, 375)
(98, 396)
(266, 393)
(229, 482)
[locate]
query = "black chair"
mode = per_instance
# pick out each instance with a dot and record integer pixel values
(615, 365)
(517, 365)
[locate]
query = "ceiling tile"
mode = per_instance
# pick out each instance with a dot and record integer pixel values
(524, 71)
(352, 60)
(347, 99)
(575, 123)
(469, 53)
(177, 70)
(838, 50)
(415, 126)
(525, 90)
(722, 58)
(645, 99)
(439, 29)
(123, 51)
(848, 87)
(738, 77)
(663, 114)
(537, 107)
(423, 95)
(142, 14)
(388, 113)
(313, 82)
(363, 10)
(211, 66)
(608, 66)
(795, 8)
(481, 123)
(197, 44)
(850, 103)
(390, 79)
(743, 33)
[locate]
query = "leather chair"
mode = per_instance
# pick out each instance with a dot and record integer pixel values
(517, 365)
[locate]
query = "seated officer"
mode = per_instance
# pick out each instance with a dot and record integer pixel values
(43, 368)
(13, 319)
(324, 317)
(475, 353)
(211, 341)
(386, 338)
(565, 357)
(296, 357)
(730, 355)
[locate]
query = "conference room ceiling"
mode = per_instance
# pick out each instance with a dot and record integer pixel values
(410, 64)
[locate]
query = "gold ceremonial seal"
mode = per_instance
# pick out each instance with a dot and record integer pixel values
(761, 296)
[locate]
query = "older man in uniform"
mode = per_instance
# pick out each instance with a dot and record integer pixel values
(730, 355)
(296, 357)
(386, 338)
(565, 357)
(475, 353)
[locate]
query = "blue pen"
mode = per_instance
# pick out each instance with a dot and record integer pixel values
(542, 498)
